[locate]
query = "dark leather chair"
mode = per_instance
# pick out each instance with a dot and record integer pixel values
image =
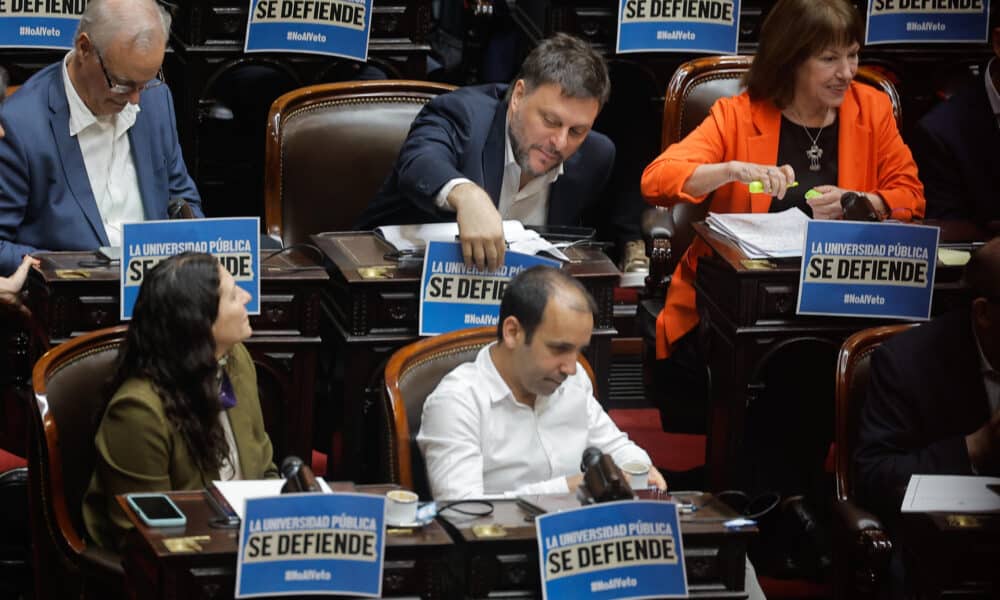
(861, 546)
(329, 148)
(70, 383)
(411, 375)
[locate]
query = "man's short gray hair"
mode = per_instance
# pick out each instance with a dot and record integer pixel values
(141, 22)
(570, 63)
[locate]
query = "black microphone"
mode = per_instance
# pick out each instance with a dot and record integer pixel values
(590, 458)
(298, 476)
(602, 479)
(857, 207)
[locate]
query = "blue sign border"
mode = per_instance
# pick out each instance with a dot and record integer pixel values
(610, 513)
(208, 232)
(441, 317)
(312, 504)
(273, 37)
(641, 37)
(10, 36)
(890, 28)
(815, 296)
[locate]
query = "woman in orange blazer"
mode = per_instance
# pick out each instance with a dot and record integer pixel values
(799, 86)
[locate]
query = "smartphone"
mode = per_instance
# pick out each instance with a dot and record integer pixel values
(156, 510)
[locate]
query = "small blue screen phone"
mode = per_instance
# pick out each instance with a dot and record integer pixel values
(156, 510)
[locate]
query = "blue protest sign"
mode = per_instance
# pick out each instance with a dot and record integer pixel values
(235, 242)
(927, 21)
(298, 544)
(854, 269)
(678, 26)
(39, 23)
(453, 296)
(333, 27)
(629, 549)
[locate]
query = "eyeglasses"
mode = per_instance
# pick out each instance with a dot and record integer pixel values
(127, 88)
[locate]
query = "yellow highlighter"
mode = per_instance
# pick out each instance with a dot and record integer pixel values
(757, 187)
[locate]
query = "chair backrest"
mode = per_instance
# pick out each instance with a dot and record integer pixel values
(693, 89)
(411, 375)
(853, 369)
(70, 383)
(329, 148)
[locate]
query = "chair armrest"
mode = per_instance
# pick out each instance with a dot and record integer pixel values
(863, 546)
(657, 227)
(856, 519)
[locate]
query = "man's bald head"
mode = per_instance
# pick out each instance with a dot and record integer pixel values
(982, 274)
(140, 24)
(528, 294)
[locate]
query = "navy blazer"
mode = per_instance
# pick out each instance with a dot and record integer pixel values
(46, 202)
(925, 394)
(957, 149)
(462, 134)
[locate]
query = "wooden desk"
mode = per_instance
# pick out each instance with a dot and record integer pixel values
(415, 560)
(746, 314)
(714, 557)
(952, 555)
(371, 309)
(68, 299)
(427, 562)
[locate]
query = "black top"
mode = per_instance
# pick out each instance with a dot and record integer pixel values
(793, 142)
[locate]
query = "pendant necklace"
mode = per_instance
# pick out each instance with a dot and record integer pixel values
(814, 153)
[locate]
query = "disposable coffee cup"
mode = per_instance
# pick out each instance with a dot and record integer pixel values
(638, 473)
(400, 507)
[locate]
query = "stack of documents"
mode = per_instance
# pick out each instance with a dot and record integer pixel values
(414, 238)
(763, 235)
(952, 494)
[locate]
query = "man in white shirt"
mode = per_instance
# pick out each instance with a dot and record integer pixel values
(91, 141)
(525, 152)
(518, 418)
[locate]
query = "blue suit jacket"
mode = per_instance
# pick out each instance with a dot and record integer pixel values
(46, 202)
(956, 148)
(462, 134)
(925, 394)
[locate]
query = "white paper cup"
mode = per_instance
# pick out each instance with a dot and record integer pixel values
(638, 473)
(400, 507)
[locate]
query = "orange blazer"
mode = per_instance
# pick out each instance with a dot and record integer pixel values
(871, 157)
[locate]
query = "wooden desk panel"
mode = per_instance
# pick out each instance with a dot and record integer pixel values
(428, 562)
(747, 313)
(371, 309)
(414, 559)
(68, 295)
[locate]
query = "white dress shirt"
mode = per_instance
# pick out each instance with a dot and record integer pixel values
(107, 155)
(529, 205)
(477, 440)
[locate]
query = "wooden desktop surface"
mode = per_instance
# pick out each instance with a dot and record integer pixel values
(426, 561)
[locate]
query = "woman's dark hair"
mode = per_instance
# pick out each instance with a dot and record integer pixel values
(794, 31)
(170, 343)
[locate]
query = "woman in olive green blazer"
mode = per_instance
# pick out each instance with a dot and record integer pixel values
(186, 410)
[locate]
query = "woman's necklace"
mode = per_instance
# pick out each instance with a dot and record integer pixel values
(814, 153)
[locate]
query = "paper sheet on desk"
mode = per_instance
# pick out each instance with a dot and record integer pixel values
(763, 235)
(951, 493)
(236, 493)
(413, 238)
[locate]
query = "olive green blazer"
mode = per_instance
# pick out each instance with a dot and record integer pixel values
(138, 450)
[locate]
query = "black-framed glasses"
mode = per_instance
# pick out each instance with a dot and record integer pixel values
(123, 88)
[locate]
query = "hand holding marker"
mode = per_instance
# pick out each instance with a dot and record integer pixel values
(757, 187)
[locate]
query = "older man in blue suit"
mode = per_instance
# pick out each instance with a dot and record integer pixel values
(91, 141)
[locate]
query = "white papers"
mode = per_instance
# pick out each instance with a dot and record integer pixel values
(237, 492)
(414, 238)
(763, 235)
(951, 493)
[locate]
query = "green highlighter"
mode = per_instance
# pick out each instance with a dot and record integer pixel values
(757, 187)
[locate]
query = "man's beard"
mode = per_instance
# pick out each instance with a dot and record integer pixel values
(522, 155)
